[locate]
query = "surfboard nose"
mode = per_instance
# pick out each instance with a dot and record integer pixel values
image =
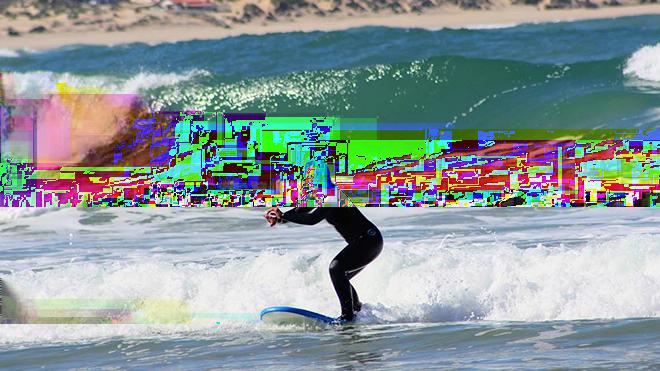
(283, 315)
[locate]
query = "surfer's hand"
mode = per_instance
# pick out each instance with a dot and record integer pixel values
(273, 216)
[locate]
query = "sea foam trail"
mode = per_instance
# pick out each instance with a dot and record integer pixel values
(410, 282)
(645, 63)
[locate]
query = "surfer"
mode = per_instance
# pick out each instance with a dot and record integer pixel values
(365, 241)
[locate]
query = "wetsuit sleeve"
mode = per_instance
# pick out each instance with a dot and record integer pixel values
(306, 215)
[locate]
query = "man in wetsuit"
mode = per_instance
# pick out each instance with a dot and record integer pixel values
(364, 245)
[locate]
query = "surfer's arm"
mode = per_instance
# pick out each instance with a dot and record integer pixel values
(306, 215)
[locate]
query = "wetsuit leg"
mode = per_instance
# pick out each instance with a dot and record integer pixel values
(350, 261)
(357, 305)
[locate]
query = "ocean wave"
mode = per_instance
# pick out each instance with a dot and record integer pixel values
(425, 90)
(411, 282)
(492, 26)
(103, 105)
(34, 84)
(441, 90)
(15, 213)
(645, 63)
(9, 53)
(614, 279)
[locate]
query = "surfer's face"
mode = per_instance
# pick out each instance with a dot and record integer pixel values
(309, 178)
(311, 191)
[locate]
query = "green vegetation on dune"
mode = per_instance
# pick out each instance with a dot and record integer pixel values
(45, 8)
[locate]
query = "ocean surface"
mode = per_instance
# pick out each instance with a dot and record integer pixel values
(595, 74)
(453, 288)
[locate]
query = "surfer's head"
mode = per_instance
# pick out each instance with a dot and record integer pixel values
(316, 182)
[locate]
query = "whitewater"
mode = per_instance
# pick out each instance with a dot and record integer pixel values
(519, 288)
(541, 278)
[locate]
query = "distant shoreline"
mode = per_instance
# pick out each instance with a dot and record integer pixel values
(436, 18)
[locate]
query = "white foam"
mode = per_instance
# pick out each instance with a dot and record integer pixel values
(14, 213)
(410, 282)
(9, 53)
(36, 83)
(145, 81)
(494, 26)
(609, 269)
(616, 279)
(644, 63)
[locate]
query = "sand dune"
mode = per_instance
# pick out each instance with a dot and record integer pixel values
(137, 23)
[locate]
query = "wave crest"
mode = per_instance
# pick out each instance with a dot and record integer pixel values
(34, 84)
(418, 282)
(645, 63)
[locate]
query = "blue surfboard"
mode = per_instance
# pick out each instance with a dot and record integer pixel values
(295, 316)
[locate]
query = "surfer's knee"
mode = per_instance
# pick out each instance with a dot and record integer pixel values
(335, 268)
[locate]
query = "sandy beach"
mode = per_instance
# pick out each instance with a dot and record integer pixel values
(442, 17)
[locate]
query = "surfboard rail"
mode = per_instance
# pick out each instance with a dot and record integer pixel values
(292, 315)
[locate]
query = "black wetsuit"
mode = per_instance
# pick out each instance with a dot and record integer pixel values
(364, 245)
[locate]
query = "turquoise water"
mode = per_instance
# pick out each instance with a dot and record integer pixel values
(457, 288)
